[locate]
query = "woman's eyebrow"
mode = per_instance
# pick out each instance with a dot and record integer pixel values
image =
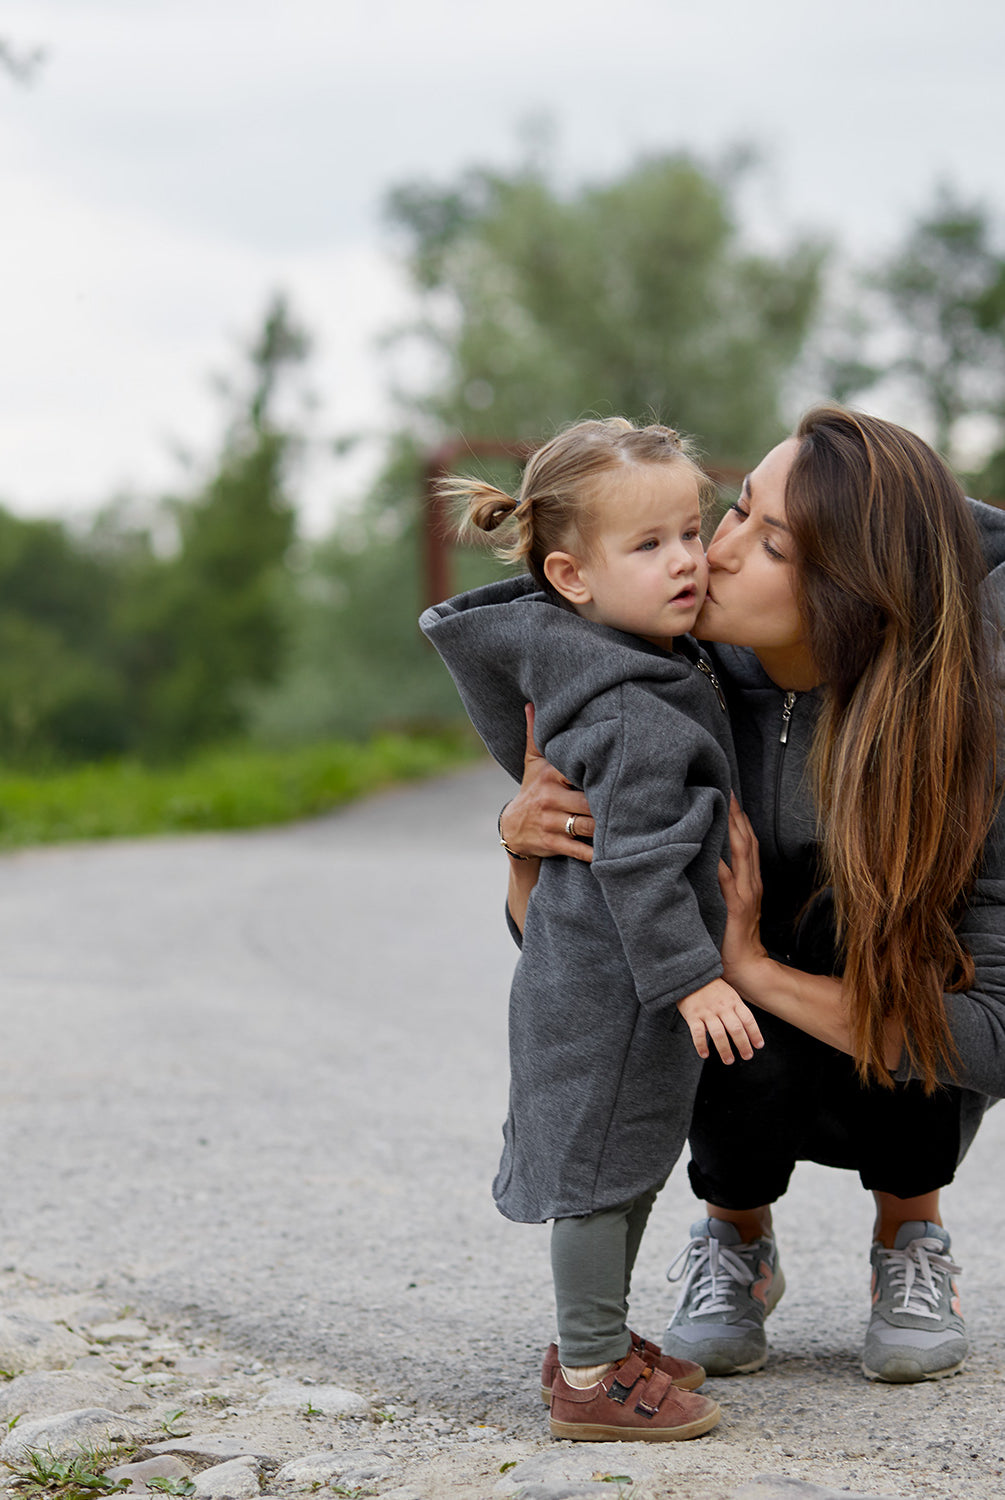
(767, 520)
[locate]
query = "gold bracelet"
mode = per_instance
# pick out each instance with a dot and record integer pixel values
(511, 852)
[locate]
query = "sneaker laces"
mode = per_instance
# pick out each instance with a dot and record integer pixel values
(912, 1274)
(710, 1270)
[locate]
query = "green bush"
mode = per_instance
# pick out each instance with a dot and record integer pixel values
(240, 787)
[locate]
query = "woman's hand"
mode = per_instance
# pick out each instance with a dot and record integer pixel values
(813, 1002)
(741, 887)
(536, 822)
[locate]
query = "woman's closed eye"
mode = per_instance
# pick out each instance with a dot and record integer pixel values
(737, 510)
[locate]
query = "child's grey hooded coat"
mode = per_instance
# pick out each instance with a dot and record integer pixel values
(603, 1069)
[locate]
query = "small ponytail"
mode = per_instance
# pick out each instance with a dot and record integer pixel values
(485, 508)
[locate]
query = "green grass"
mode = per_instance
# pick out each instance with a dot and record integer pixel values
(240, 787)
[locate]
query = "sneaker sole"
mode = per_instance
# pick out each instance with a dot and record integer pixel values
(686, 1383)
(720, 1364)
(908, 1372)
(591, 1432)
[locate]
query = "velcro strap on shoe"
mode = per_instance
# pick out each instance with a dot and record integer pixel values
(652, 1393)
(627, 1372)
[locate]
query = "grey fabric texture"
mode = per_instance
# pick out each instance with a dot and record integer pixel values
(603, 1070)
(777, 798)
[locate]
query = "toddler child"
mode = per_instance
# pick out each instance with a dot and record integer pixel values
(619, 981)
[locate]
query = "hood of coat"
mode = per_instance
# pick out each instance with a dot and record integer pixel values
(507, 644)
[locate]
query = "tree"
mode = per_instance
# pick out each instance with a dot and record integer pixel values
(61, 697)
(636, 296)
(204, 626)
(944, 291)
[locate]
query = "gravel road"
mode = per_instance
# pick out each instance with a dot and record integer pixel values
(254, 1082)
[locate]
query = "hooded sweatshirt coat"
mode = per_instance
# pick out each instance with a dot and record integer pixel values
(603, 1069)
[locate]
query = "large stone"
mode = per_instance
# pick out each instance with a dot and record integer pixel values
(121, 1331)
(352, 1469)
(199, 1366)
(312, 1469)
(563, 1473)
(164, 1466)
(330, 1400)
(779, 1487)
(214, 1447)
(31, 1344)
(573, 1489)
(69, 1432)
(236, 1480)
(45, 1393)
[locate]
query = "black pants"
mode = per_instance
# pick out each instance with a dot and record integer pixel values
(800, 1100)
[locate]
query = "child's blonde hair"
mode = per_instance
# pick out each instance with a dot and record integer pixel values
(556, 507)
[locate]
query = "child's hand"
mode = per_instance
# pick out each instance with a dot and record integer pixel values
(716, 1013)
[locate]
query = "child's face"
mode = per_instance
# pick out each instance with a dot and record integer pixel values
(647, 572)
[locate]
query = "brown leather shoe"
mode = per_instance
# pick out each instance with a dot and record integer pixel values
(632, 1403)
(684, 1373)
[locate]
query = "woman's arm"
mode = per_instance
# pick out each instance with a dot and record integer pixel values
(533, 825)
(813, 1002)
(523, 875)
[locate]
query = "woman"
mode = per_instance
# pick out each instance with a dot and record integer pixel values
(849, 600)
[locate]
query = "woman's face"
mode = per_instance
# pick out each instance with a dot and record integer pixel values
(751, 598)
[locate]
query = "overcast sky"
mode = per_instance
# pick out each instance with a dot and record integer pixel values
(176, 160)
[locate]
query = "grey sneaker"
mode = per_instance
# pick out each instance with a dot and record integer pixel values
(916, 1331)
(729, 1289)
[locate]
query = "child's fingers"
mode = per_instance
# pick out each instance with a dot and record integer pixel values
(743, 1030)
(719, 1037)
(741, 1041)
(697, 1030)
(753, 1031)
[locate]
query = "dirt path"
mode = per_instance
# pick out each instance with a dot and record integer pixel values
(252, 1087)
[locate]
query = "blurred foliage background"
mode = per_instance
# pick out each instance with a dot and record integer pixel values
(170, 624)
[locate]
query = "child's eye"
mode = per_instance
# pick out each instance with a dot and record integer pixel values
(690, 536)
(648, 546)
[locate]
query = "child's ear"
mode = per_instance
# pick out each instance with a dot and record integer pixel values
(562, 571)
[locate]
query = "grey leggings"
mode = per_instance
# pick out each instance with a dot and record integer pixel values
(592, 1259)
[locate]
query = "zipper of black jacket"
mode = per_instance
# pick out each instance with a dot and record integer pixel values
(703, 666)
(788, 703)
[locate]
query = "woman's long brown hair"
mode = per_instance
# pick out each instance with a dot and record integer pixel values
(889, 567)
